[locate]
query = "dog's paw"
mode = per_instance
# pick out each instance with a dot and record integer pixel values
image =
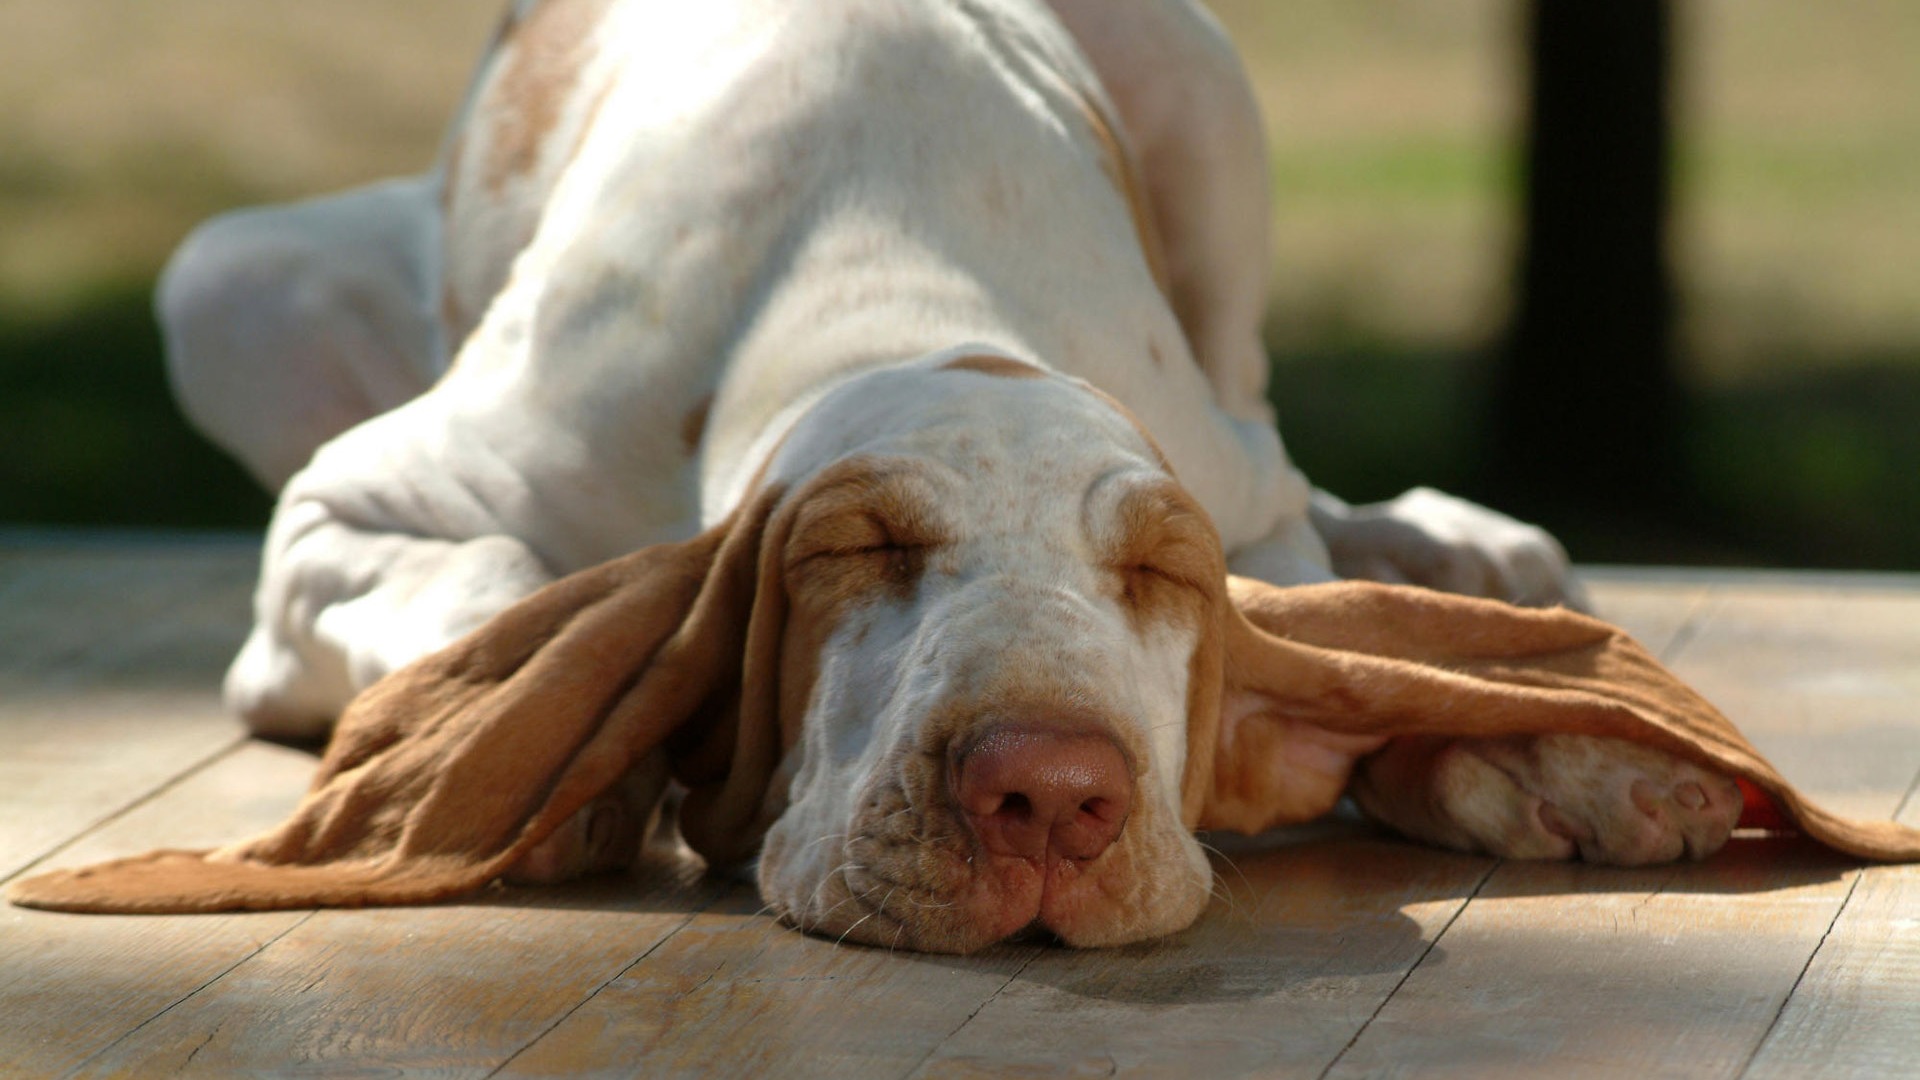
(604, 835)
(1568, 796)
(1429, 538)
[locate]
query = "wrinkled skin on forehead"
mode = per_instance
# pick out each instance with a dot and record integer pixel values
(1013, 552)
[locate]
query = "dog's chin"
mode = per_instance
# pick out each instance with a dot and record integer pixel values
(929, 895)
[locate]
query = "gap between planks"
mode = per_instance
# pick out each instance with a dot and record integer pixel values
(160, 790)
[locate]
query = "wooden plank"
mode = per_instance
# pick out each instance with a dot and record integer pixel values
(165, 616)
(1654, 612)
(110, 659)
(109, 669)
(74, 760)
(1847, 646)
(451, 989)
(1577, 970)
(1856, 1009)
(70, 985)
(1677, 969)
(1826, 683)
(735, 994)
(1303, 946)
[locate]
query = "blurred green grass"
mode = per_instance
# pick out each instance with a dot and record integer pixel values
(1804, 465)
(1797, 241)
(92, 437)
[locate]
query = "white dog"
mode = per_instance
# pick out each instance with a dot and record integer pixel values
(945, 311)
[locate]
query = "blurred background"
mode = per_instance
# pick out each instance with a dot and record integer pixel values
(1647, 272)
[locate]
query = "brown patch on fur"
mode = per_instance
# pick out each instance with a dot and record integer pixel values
(1002, 366)
(693, 426)
(865, 530)
(545, 54)
(1206, 689)
(857, 532)
(1165, 557)
(1125, 175)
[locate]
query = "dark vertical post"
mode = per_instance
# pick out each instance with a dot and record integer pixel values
(1584, 414)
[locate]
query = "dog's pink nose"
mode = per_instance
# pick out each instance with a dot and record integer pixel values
(1039, 794)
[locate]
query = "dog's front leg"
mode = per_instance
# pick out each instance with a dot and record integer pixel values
(1549, 797)
(346, 596)
(1425, 537)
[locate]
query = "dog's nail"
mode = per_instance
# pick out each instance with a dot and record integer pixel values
(1559, 824)
(1691, 796)
(1646, 797)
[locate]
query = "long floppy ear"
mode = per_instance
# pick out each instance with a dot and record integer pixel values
(442, 776)
(1357, 659)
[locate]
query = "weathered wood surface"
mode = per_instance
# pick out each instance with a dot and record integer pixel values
(1331, 951)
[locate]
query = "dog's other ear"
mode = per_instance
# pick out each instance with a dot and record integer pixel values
(1349, 664)
(442, 776)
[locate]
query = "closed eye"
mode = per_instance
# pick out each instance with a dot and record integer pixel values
(844, 547)
(850, 571)
(1148, 587)
(1166, 575)
(867, 530)
(1164, 556)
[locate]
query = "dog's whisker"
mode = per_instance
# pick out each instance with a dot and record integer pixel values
(816, 842)
(841, 874)
(811, 910)
(1227, 859)
(856, 925)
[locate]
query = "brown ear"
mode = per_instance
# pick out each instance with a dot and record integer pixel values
(1366, 660)
(442, 776)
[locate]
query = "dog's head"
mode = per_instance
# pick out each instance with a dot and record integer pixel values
(1000, 612)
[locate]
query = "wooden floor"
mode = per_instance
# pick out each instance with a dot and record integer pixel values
(1332, 951)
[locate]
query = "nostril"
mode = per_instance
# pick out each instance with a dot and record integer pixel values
(1103, 810)
(1037, 793)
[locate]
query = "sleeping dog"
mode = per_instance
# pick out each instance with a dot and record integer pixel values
(915, 348)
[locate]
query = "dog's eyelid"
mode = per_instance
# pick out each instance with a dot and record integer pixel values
(903, 530)
(1167, 573)
(849, 551)
(1170, 544)
(872, 535)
